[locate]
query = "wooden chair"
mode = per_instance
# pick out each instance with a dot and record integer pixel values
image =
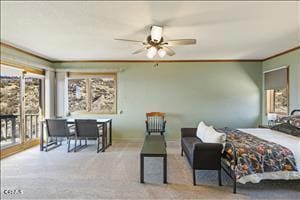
(155, 122)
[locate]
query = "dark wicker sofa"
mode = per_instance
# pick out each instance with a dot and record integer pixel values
(201, 156)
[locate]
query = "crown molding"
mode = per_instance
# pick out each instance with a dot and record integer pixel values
(147, 61)
(156, 61)
(24, 51)
(24, 67)
(282, 53)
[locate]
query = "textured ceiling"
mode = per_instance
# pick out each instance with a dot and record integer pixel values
(86, 30)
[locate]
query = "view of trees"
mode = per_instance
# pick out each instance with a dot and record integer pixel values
(10, 95)
(92, 95)
(10, 104)
(32, 95)
(103, 95)
(77, 95)
(281, 100)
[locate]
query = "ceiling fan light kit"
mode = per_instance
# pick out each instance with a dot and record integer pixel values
(155, 43)
(161, 52)
(151, 52)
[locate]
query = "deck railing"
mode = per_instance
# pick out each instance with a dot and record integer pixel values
(10, 127)
(31, 125)
(5, 126)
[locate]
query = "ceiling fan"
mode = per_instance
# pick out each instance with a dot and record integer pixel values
(155, 43)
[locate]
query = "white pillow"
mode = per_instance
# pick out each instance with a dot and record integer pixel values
(202, 127)
(212, 136)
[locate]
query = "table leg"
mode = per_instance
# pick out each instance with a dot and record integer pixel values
(110, 132)
(104, 137)
(165, 169)
(141, 168)
(42, 136)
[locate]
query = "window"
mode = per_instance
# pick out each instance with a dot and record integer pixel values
(77, 95)
(10, 106)
(32, 106)
(276, 91)
(93, 93)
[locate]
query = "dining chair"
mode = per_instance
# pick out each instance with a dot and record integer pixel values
(88, 129)
(58, 128)
(155, 122)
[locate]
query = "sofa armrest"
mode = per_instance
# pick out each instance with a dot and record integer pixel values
(207, 156)
(188, 132)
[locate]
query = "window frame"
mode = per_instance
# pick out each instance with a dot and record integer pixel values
(273, 93)
(88, 77)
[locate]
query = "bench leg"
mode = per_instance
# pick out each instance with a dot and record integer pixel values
(220, 177)
(141, 169)
(194, 177)
(165, 169)
(234, 186)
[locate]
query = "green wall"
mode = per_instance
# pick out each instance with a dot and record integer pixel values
(220, 93)
(292, 60)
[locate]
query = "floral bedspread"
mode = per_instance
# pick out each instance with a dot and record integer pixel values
(255, 155)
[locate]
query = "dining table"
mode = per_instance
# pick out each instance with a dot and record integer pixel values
(106, 125)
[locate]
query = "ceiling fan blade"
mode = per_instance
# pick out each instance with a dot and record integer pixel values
(179, 42)
(140, 50)
(126, 40)
(169, 51)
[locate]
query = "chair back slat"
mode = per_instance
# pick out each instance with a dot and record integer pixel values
(57, 127)
(86, 128)
(155, 122)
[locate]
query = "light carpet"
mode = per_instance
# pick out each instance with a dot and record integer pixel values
(115, 175)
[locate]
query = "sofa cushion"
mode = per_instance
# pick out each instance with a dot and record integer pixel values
(188, 143)
(202, 128)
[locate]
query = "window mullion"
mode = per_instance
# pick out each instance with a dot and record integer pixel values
(23, 122)
(88, 87)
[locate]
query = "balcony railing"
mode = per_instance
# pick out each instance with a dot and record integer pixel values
(10, 128)
(31, 126)
(5, 127)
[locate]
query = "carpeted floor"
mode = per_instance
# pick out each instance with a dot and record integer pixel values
(115, 175)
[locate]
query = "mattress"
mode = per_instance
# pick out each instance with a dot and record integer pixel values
(288, 141)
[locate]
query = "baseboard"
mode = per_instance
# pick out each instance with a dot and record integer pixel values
(18, 148)
(140, 139)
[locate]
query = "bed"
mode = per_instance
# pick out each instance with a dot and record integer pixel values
(256, 154)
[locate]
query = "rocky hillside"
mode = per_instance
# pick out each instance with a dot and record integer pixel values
(102, 95)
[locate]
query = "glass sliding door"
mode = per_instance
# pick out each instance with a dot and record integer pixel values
(21, 108)
(10, 105)
(32, 107)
